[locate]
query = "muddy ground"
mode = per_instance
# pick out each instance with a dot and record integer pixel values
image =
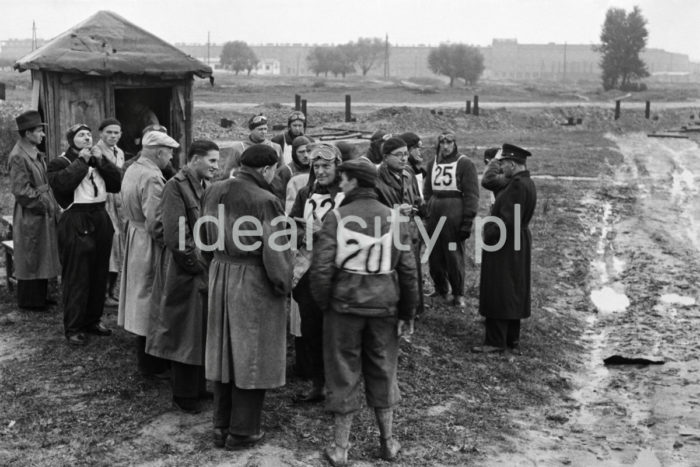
(615, 263)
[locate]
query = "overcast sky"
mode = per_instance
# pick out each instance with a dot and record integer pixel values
(673, 24)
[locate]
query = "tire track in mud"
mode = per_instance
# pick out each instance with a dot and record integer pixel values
(643, 284)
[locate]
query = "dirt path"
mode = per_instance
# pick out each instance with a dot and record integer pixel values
(643, 283)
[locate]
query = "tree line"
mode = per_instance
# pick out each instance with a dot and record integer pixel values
(623, 37)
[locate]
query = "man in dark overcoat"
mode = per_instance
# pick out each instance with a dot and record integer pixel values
(177, 326)
(505, 273)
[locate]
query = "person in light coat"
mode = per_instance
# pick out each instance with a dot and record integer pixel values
(142, 190)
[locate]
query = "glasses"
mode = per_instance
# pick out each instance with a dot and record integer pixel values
(323, 151)
(297, 116)
(400, 155)
(75, 128)
(259, 119)
(446, 139)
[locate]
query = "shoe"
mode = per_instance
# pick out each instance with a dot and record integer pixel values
(487, 349)
(515, 350)
(111, 301)
(389, 449)
(77, 340)
(236, 442)
(206, 395)
(219, 436)
(437, 296)
(312, 396)
(187, 405)
(337, 456)
(459, 301)
(99, 330)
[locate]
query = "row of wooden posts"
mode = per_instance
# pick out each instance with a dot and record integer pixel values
(300, 104)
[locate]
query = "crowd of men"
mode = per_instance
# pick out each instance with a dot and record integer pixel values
(293, 236)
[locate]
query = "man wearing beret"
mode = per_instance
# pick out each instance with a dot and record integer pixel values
(250, 276)
(142, 190)
(258, 135)
(366, 286)
(110, 132)
(451, 191)
(415, 158)
(504, 297)
(35, 215)
(296, 126)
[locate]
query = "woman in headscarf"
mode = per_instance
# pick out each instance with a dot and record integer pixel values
(291, 177)
(321, 195)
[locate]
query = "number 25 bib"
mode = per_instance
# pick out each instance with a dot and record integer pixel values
(444, 176)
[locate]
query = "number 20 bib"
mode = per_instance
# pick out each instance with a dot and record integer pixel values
(444, 176)
(358, 253)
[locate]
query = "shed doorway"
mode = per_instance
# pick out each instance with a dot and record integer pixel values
(138, 108)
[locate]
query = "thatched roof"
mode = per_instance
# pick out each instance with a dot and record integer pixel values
(105, 44)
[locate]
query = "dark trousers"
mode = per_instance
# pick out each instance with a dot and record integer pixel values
(187, 380)
(32, 293)
(85, 243)
(447, 266)
(239, 410)
(310, 344)
(502, 332)
(148, 364)
(419, 271)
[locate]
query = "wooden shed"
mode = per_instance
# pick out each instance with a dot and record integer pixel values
(109, 67)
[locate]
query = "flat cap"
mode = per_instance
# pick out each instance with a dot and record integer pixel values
(156, 138)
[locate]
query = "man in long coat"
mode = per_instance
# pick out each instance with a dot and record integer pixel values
(142, 190)
(177, 328)
(504, 297)
(35, 215)
(249, 280)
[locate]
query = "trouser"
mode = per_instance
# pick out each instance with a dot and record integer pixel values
(355, 347)
(148, 364)
(502, 332)
(32, 293)
(187, 380)
(419, 272)
(239, 410)
(447, 266)
(311, 340)
(84, 243)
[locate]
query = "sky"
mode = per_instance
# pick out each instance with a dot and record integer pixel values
(673, 24)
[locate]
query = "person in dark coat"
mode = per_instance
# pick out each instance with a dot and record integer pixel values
(291, 177)
(313, 203)
(416, 164)
(493, 178)
(177, 326)
(80, 179)
(374, 152)
(35, 216)
(366, 286)
(296, 126)
(250, 276)
(451, 191)
(504, 297)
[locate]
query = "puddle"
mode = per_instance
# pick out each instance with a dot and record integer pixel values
(608, 300)
(675, 299)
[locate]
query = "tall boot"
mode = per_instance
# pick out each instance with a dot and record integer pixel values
(337, 454)
(389, 447)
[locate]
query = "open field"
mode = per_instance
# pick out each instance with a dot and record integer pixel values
(605, 189)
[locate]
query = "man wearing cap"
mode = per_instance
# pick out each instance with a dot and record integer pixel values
(504, 297)
(258, 135)
(80, 179)
(141, 196)
(296, 126)
(110, 132)
(415, 158)
(178, 323)
(169, 170)
(249, 280)
(398, 188)
(493, 178)
(366, 286)
(35, 215)
(452, 194)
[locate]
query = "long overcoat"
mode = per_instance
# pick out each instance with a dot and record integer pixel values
(113, 205)
(505, 273)
(177, 327)
(142, 189)
(247, 320)
(35, 215)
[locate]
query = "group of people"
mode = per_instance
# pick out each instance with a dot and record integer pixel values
(296, 236)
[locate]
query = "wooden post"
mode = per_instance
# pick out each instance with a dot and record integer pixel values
(617, 109)
(647, 110)
(2, 91)
(348, 113)
(476, 105)
(303, 106)
(469, 107)
(297, 102)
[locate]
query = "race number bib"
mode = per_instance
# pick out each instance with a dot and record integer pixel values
(318, 205)
(358, 253)
(444, 176)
